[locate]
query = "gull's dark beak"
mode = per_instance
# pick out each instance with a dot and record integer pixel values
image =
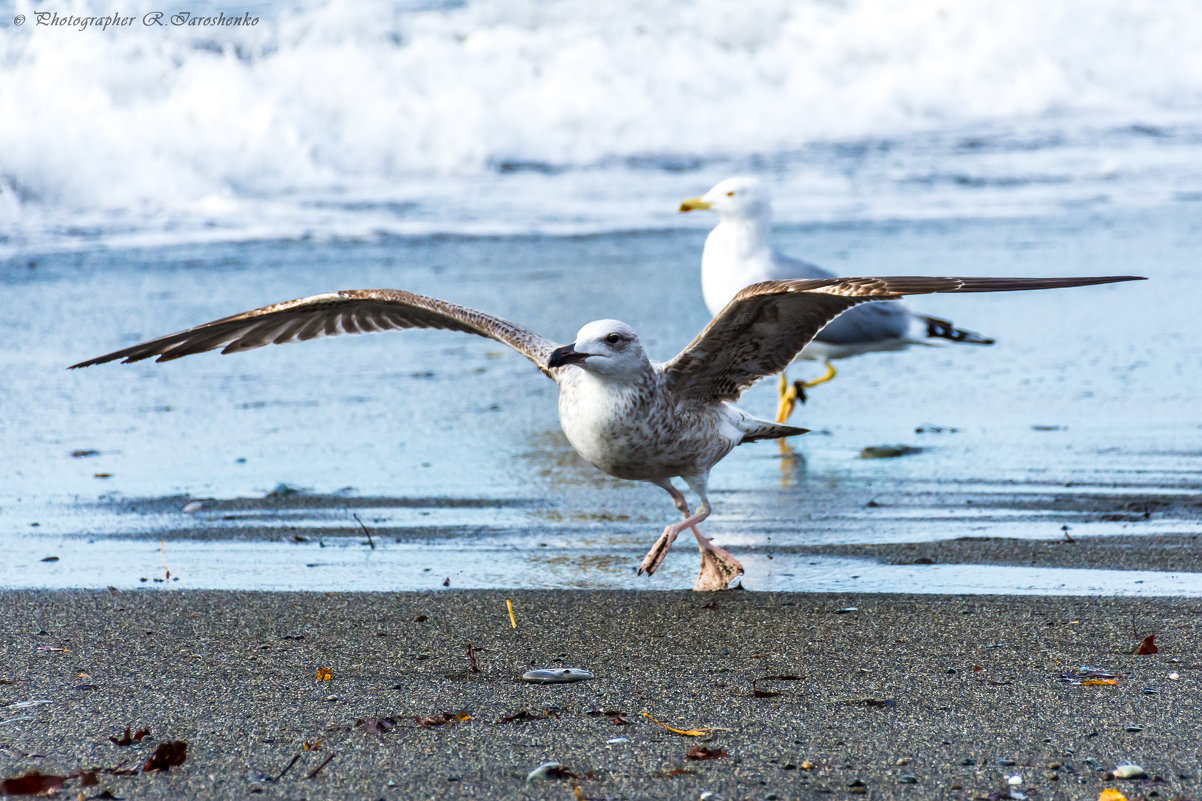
(565, 355)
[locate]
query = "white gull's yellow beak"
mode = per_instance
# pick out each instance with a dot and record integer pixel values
(693, 204)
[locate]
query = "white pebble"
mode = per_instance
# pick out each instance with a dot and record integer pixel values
(544, 771)
(195, 506)
(1129, 771)
(1014, 780)
(556, 675)
(1174, 676)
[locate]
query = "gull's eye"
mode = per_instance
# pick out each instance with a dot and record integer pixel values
(731, 193)
(613, 339)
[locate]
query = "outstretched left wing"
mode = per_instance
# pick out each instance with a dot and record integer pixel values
(352, 311)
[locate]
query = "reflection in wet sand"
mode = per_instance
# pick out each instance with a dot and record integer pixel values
(549, 457)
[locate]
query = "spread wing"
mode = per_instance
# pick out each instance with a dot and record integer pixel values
(353, 311)
(767, 324)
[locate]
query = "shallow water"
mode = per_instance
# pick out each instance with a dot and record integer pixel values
(1087, 406)
(490, 562)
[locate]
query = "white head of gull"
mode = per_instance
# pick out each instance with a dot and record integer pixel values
(631, 417)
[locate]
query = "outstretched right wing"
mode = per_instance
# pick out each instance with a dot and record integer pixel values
(352, 311)
(760, 331)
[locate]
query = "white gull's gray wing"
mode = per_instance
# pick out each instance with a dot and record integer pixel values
(352, 311)
(767, 324)
(870, 324)
(864, 325)
(787, 268)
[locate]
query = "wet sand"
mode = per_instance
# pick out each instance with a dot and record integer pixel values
(887, 536)
(911, 697)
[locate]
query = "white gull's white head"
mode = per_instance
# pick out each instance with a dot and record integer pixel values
(743, 197)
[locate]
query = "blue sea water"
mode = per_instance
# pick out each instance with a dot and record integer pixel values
(527, 158)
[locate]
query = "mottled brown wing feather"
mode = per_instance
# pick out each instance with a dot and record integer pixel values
(766, 325)
(354, 311)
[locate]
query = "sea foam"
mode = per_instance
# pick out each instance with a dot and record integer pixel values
(339, 117)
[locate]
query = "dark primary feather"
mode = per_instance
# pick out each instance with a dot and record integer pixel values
(764, 327)
(353, 311)
(938, 328)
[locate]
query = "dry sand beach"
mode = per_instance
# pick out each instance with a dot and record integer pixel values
(808, 696)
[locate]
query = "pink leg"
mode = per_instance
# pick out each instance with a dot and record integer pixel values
(718, 568)
(659, 550)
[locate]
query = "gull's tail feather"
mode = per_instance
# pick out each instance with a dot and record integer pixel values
(943, 329)
(754, 429)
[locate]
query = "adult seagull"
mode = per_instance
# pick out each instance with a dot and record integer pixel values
(623, 413)
(737, 253)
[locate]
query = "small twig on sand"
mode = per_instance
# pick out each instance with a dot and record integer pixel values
(287, 767)
(163, 551)
(365, 531)
(313, 773)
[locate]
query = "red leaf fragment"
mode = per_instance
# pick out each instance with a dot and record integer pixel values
(1148, 646)
(127, 739)
(31, 783)
(166, 756)
(701, 752)
(619, 720)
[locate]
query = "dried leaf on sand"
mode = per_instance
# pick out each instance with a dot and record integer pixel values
(701, 752)
(168, 755)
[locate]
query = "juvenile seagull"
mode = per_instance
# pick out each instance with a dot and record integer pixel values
(623, 413)
(737, 253)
